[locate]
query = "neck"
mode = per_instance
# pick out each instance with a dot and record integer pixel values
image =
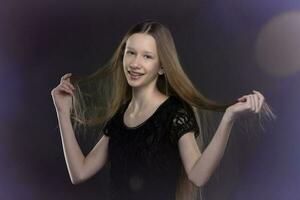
(145, 99)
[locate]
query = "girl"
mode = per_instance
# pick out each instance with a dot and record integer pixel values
(149, 113)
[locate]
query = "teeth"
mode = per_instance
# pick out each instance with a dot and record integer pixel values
(135, 74)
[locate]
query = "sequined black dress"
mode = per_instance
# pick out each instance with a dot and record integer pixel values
(144, 160)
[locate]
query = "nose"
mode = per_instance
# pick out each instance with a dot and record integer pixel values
(135, 62)
(133, 67)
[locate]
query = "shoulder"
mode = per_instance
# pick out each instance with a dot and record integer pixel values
(114, 122)
(179, 105)
(181, 120)
(181, 109)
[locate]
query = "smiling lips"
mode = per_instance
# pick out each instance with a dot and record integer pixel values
(135, 73)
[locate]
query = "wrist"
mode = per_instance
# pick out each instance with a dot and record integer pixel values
(229, 116)
(63, 113)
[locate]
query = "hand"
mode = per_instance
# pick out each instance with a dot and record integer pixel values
(62, 94)
(251, 103)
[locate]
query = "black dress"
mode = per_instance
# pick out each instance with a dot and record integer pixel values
(144, 160)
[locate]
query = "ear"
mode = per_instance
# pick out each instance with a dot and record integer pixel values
(161, 71)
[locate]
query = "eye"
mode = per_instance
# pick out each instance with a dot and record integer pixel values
(148, 57)
(129, 52)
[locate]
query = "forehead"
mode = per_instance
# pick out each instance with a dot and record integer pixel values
(141, 42)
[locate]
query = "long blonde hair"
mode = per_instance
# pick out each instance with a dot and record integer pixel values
(99, 95)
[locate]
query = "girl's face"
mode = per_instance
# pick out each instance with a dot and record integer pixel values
(140, 61)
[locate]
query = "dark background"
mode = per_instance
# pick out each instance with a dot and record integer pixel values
(227, 48)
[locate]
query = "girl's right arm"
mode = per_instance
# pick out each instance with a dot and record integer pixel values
(80, 168)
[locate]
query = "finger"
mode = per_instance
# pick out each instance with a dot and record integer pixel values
(66, 89)
(66, 76)
(256, 102)
(69, 85)
(252, 103)
(259, 94)
(247, 101)
(243, 98)
(261, 101)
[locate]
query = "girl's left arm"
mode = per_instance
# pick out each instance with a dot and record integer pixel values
(199, 167)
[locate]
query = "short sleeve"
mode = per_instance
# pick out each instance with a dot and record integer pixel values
(182, 122)
(113, 123)
(106, 128)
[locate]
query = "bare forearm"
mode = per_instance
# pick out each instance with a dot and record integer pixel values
(72, 152)
(209, 160)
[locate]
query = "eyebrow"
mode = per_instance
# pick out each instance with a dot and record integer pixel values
(144, 51)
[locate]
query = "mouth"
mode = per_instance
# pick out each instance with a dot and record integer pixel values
(134, 75)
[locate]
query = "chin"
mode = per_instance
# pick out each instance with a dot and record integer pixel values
(137, 83)
(134, 84)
